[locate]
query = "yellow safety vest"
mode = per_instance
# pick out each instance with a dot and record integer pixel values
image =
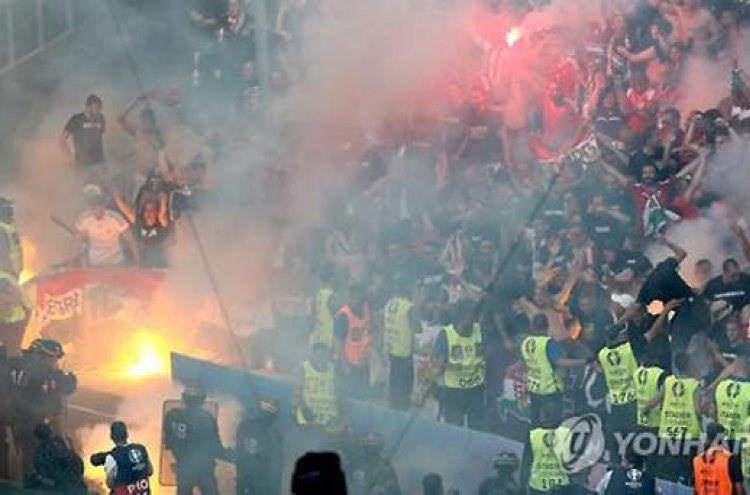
(618, 364)
(398, 332)
(17, 312)
(318, 394)
(466, 365)
(744, 438)
(732, 405)
(546, 470)
(646, 380)
(323, 318)
(541, 377)
(14, 261)
(679, 418)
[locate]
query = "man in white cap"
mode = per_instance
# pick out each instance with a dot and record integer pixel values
(101, 230)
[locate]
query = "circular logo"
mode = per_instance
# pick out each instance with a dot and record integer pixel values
(581, 443)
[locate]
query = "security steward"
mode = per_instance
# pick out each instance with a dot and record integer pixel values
(649, 379)
(15, 311)
(717, 470)
(618, 364)
(353, 332)
(460, 362)
(316, 398)
(680, 417)
(38, 387)
(732, 397)
(192, 435)
(128, 466)
(11, 253)
(401, 323)
(545, 361)
(324, 310)
(369, 472)
(543, 470)
(259, 451)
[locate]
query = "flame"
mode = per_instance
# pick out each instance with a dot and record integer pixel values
(513, 36)
(147, 357)
(30, 260)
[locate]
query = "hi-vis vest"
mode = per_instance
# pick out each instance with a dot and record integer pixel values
(398, 332)
(546, 469)
(732, 405)
(466, 365)
(358, 338)
(12, 311)
(318, 394)
(679, 418)
(618, 364)
(542, 379)
(14, 261)
(323, 318)
(646, 380)
(744, 437)
(712, 473)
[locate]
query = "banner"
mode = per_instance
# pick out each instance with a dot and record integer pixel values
(69, 300)
(583, 154)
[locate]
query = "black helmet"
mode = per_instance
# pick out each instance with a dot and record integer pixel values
(506, 460)
(47, 347)
(193, 395)
(268, 406)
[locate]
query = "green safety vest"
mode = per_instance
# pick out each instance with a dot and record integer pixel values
(541, 377)
(323, 318)
(466, 364)
(18, 311)
(618, 364)
(546, 469)
(319, 394)
(732, 405)
(14, 261)
(679, 418)
(398, 332)
(646, 380)
(744, 438)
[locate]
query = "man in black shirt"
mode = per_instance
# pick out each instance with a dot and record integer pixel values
(731, 286)
(86, 130)
(664, 283)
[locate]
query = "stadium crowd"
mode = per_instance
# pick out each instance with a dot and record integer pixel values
(465, 267)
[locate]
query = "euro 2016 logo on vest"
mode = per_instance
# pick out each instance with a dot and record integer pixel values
(642, 377)
(549, 439)
(678, 389)
(613, 358)
(135, 456)
(531, 346)
(733, 390)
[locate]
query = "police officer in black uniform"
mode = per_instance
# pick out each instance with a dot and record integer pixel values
(57, 466)
(369, 473)
(504, 482)
(192, 435)
(128, 466)
(258, 448)
(38, 387)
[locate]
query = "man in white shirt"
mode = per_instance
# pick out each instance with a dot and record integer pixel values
(102, 231)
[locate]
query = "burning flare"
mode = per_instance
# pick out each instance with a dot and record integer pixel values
(148, 356)
(513, 36)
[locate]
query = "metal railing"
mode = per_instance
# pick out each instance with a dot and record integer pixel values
(29, 26)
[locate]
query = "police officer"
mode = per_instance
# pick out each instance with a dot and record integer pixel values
(316, 398)
(15, 310)
(258, 448)
(680, 417)
(504, 482)
(717, 470)
(192, 435)
(545, 361)
(460, 360)
(617, 361)
(401, 323)
(128, 466)
(11, 253)
(38, 387)
(369, 472)
(57, 467)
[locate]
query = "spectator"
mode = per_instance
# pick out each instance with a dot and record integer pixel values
(86, 130)
(150, 228)
(731, 286)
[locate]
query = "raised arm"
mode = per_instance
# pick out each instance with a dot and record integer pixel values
(658, 325)
(679, 253)
(123, 119)
(614, 172)
(739, 231)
